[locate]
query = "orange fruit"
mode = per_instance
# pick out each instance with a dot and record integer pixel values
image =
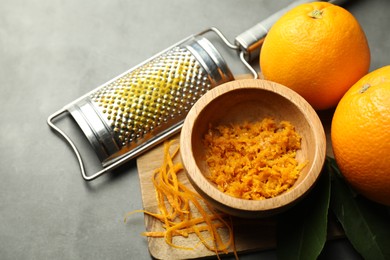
(360, 135)
(317, 49)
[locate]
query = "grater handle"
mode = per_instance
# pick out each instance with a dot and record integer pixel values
(50, 122)
(250, 41)
(68, 139)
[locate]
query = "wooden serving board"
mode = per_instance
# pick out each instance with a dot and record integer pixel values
(250, 234)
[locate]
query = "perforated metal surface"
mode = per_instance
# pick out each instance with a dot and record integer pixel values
(147, 104)
(160, 91)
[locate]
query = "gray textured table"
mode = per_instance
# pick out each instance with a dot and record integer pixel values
(52, 52)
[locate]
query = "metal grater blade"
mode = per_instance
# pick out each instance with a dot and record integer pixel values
(144, 99)
(141, 107)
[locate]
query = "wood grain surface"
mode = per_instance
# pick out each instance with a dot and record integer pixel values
(250, 234)
(249, 100)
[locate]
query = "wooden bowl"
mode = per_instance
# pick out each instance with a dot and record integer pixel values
(244, 100)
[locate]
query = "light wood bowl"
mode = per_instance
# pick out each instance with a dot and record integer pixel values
(251, 99)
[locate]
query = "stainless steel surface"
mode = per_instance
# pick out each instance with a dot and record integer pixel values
(145, 105)
(52, 52)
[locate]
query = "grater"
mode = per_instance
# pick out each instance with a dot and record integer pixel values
(147, 104)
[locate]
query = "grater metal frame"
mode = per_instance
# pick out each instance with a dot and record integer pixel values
(148, 144)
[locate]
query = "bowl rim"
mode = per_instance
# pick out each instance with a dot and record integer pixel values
(202, 184)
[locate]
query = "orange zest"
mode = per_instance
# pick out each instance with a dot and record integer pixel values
(253, 160)
(183, 212)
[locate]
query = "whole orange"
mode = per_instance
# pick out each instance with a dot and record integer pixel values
(360, 135)
(317, 49)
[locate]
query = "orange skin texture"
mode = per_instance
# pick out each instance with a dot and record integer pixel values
(360, 135)
(319, 58)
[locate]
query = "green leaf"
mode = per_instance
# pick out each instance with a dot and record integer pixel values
(366, 224)
(302, 230)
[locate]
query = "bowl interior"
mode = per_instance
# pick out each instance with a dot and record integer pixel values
(252, 101)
